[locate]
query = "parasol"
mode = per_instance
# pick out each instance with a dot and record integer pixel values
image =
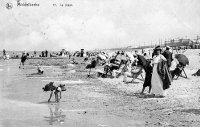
(182, 59)
(142, 60)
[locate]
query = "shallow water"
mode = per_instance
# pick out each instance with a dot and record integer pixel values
(24, 104)
(18, 108)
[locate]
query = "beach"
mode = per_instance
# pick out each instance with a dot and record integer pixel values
(93, 101)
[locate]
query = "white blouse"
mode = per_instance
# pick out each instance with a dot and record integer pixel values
(158, 58)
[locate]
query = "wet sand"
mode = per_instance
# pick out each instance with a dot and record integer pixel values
(93, 102)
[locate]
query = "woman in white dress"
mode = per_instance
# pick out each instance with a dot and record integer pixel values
(156, 81)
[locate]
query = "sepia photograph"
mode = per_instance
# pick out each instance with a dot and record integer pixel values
(99, 63)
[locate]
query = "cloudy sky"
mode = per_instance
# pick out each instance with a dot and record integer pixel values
(94, 24)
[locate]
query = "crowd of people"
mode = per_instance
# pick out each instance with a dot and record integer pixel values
(159, 68)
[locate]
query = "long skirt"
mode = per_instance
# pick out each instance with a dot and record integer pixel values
(156, 82)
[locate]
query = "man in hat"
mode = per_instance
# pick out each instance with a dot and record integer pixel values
(168, 55)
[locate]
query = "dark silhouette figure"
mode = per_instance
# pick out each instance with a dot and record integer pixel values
(46, 53)
(147, 82)
(42, 53)
(23, 59)
(35, 53)
(168, 55)
(92, 65)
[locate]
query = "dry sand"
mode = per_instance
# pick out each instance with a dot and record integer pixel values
(94, 102)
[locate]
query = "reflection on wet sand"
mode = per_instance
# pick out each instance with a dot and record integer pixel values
(56, 114)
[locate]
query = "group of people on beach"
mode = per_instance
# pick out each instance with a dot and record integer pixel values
(40, 69)
(160, 77)
(158, 68)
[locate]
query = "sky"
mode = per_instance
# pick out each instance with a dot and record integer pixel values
(96, 24)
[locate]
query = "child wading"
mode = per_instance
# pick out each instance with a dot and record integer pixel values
(23, 59)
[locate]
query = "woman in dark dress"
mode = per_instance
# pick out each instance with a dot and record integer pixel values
(147, 82)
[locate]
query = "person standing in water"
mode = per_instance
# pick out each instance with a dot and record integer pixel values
(4, 54)
(23, 59)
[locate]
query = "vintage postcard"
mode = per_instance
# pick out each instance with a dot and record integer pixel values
(99, 63)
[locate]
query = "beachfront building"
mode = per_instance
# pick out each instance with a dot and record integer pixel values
(183, 43)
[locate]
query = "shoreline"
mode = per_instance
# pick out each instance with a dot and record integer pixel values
(94, 102)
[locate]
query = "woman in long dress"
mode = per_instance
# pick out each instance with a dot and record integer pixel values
(156, 81)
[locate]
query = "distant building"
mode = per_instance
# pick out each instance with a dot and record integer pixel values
(183, 43)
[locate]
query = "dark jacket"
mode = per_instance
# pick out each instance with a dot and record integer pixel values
(168, 55)
(148, 74)
(164, 74)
